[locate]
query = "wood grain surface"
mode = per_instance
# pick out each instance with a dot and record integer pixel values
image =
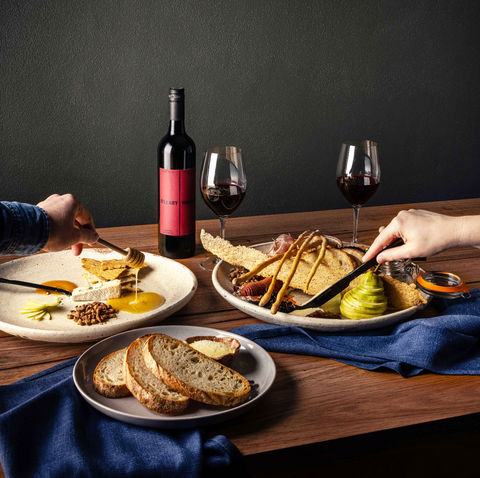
(315, 403)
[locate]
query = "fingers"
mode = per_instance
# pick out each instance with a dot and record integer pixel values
(77, 249)
(83, 217)
(385, 238)
(86, 235)
(395, 254)
(378, 244)
(418, 229)
(70, 223)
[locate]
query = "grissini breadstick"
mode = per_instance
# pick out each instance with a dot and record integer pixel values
(256, 269)
(287, 254)
(320, 257)
(281, 292)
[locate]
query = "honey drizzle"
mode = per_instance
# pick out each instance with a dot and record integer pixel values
(136, 284)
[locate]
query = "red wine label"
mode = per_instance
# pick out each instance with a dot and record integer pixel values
(177, 201)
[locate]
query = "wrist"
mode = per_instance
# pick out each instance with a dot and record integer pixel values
(467, 230)
(28, 228)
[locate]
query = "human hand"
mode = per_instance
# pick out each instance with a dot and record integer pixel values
(424, 233)
(70, 224)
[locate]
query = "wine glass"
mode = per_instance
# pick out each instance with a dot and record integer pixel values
(358, 174)
(223, 184)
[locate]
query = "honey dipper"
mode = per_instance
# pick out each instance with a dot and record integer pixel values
(133, 257)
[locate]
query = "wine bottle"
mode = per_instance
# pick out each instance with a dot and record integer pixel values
(176, 184)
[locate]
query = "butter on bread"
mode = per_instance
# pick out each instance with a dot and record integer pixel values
(211, 349)
(98, 292)
(335, 265)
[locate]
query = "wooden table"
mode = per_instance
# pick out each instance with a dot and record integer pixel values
(320, 416)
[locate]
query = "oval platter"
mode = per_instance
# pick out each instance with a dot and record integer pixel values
(224, 287)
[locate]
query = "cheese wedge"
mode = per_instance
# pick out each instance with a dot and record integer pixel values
(98, 292)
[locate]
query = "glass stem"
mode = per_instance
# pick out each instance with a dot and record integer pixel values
(222, 227)
(356, 210)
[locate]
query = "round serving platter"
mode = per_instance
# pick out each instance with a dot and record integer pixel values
(164, 276)
(224, 287)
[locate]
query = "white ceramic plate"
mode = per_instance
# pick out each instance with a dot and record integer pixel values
(224, 287)
(252, 361)
(164, 276)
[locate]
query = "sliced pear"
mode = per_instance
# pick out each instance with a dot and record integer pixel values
(38, 310)
(365, 301)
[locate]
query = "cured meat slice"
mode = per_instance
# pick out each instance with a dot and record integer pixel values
(280, 245)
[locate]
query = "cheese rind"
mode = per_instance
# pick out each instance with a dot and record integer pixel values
(98, 292)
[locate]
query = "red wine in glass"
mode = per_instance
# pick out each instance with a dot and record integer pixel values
(223, 199)
(223, 184)
(358, 174)
(357, 189)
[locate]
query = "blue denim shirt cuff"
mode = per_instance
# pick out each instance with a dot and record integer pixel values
(24, 228)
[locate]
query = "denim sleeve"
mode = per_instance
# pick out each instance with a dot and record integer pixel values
(24, 229)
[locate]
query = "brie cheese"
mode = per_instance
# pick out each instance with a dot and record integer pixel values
(98, 292)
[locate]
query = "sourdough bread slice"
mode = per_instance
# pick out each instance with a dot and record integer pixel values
(355, 254)
(149, 390)
(108, 376)
(194, 374)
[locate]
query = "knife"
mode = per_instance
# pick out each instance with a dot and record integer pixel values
(35, 286)
(324, 296)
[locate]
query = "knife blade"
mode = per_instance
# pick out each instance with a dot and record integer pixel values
(35, 286)
(329, 293)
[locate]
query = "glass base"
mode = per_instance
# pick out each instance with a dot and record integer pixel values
(209, 263)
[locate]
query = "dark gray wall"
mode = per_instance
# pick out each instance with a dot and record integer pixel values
(84, 97)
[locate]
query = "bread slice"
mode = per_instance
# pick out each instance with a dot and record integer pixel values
(96, 292)
(108, 376)
(334, 258)
(194, 374)
(356, 254)
(149, 390)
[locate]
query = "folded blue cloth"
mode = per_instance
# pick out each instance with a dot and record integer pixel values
(447, 344)
(48, 430)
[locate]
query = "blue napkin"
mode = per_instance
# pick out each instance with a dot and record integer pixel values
(48, 430)
(447, 344)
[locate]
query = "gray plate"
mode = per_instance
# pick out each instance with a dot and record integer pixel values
(224, 287)
(252, 361)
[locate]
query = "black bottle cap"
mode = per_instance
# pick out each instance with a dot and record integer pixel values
(177, 94)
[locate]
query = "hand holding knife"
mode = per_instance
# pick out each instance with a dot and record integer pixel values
(324, 296)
